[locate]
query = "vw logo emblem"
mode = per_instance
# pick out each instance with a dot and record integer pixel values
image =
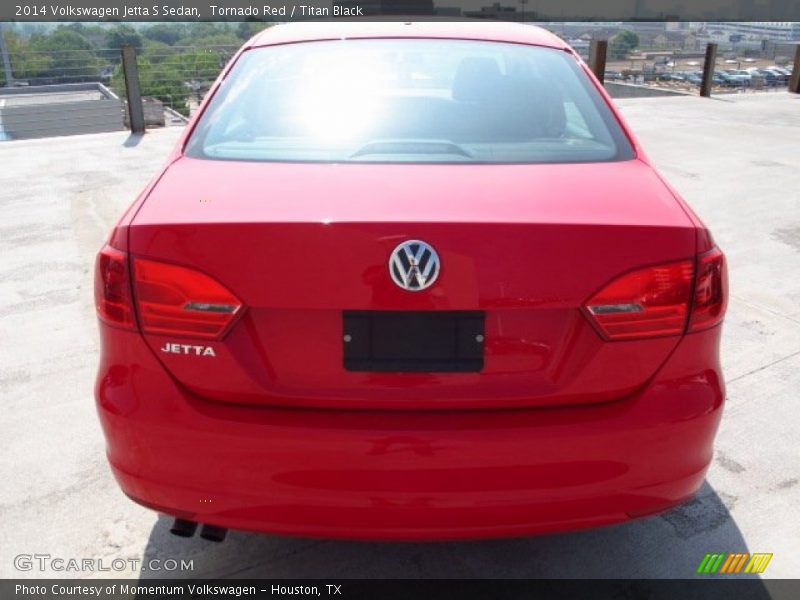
(414, 265)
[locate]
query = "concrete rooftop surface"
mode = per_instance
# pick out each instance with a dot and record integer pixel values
(735, 159)
(52, 97)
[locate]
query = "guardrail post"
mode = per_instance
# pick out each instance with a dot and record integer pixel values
(794, 82)
(708, 70)
(133, 90)
(597, 58)
(6, 60)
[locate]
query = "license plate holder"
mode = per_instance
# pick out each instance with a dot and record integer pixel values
(413, 341)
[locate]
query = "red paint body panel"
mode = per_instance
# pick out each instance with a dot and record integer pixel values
(527, 243)
(341, 30)
(406, 474)
(561, 429)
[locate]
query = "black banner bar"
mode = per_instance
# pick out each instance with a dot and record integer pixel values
(749, 587)
(509, 10)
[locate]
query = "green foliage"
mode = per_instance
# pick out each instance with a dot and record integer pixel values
(227, 38)
(160, 81)
(96, 34)
(177, 61)
(12, 44)
(202, 30)
(119, 36)
(196, 64)
(247, 29)
(166, 33)
(156, 52)
(64, 56)
(623, 43)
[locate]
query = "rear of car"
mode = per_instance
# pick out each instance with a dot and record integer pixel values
(410, 282)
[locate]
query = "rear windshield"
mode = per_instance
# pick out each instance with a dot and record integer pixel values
(408, 100)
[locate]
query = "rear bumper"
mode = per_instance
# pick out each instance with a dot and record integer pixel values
(408, 475)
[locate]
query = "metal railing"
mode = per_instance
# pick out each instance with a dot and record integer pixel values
(179, 77)
(716, 76)
(171, 81)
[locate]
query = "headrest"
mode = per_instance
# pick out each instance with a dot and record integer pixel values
(476, 79)
(540, 106)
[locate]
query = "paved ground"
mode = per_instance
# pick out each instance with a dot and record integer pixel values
(736, 160)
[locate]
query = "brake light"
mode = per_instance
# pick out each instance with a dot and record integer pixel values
(649, 302)
(711, 291)
(112, 291)
(655, 301)
(174, 300)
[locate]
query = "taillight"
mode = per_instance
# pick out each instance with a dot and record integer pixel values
(711, 291)
(655, 301)
(174, 300)
(112, 291)
(649, 302)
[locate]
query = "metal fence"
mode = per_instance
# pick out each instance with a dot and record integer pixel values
(695, 73)
(172, 79)
(176, 75)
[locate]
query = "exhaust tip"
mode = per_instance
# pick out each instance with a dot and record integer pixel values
(183, 528)
(212, 533)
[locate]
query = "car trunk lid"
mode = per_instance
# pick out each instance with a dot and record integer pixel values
(302, 244)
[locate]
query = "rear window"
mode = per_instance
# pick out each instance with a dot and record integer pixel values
(408, 100)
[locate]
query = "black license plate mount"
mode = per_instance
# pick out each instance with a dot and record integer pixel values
(414, 341)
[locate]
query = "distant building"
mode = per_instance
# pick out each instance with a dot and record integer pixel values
(678, 40)
(787, 31)
(647, 27)
(775, 49)
(499, 12)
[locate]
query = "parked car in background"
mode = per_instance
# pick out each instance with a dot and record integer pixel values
(695, 78)
(736, 77)
(771, 78)
(782, 74)
(724, 78)
(718, 79)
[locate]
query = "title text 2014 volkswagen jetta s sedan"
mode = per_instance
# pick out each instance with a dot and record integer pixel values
(409, 281)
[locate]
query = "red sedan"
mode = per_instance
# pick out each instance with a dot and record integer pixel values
(408, 281)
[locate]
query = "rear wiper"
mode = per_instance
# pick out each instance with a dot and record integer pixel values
(410, 147)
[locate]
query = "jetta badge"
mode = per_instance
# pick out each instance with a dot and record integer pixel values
(414, 265)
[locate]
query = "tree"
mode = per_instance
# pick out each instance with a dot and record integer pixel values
(247, 29)
(623, 43)
(119, 36)
(219, 39)
(7, 40)
(203, 29)
(64, 56)
(162, 81)
(166, 33)
(198, 65)
(156, 51)
(96, 34)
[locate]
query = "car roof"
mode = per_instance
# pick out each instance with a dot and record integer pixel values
(353, 29)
